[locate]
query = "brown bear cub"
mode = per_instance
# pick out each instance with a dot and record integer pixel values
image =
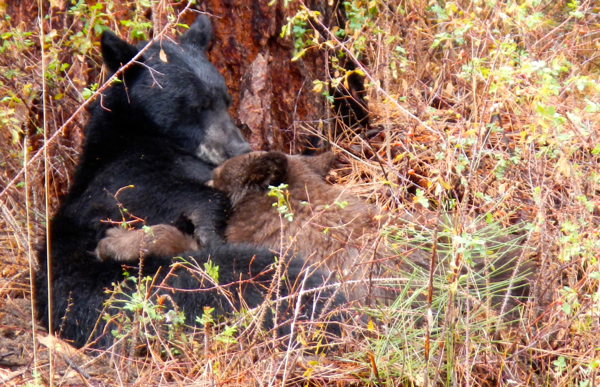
(284, 202)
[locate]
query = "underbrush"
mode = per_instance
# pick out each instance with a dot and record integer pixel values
(483, 116)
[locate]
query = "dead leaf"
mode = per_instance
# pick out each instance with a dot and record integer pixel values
(163, 56)
(58, 345)
(449, 90)
(502, 188)
(562, 166)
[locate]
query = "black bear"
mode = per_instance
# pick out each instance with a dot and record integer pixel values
(151, 144)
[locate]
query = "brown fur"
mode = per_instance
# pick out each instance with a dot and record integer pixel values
(162, 240)
(329, 225)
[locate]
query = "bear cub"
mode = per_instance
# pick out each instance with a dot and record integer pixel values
(328, 225)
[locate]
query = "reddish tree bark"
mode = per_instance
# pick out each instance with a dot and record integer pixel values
(270, 92)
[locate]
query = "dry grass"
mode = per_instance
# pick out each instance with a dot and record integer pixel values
(437, 75)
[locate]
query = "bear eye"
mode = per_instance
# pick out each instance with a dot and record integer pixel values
(201, 104)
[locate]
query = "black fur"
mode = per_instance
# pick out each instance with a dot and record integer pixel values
(161, 130)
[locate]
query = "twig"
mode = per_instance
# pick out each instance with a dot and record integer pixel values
(429, 317)
(292, 328)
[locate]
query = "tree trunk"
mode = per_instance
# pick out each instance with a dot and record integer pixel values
(270, 93)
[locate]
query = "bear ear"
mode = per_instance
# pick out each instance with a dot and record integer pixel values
(321, 164)
(115, 51)
(199, 34)
(268, 169)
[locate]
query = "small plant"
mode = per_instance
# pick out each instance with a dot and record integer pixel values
(464, 262)
(212, 270)
(282, 204)
(560, 364)
(226, 336)
(206, 318)
(138, 29)
(343, 204)
(89, 91)
(303, 37)
(421, 198)
(138, 315)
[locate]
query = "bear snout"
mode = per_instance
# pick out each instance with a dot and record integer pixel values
(237, 148)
